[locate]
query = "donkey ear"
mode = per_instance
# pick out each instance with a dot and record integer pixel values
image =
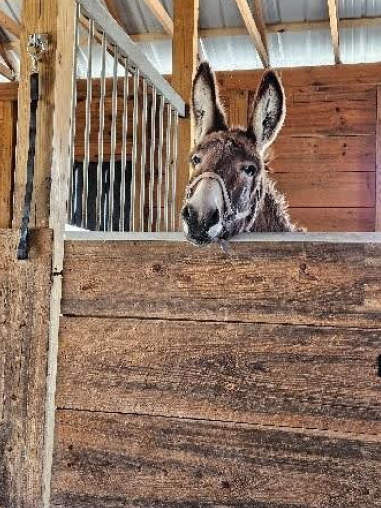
(268, 110)
(208, 113)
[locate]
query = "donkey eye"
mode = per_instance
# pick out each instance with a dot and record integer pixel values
(250, 169)
(196, 160)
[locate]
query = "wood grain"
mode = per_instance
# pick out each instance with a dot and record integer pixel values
(24, 330)
(323, 75)
(260, 282)
(323, 153)
(325, 189)
(378, 161)
(331, 118)
(115, 461)
(186, 15)
(269, 374)
(7, 153)
(335, 219)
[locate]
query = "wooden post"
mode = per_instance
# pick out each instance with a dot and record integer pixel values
(184, 50)
(7, 135)
(378, 162)
(31, 466)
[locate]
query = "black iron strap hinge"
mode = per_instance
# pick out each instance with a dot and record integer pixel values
(37, 45)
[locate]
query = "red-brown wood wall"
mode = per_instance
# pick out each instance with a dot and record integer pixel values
(325, 159)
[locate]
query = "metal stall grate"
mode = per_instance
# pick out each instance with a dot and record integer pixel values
(124, 133)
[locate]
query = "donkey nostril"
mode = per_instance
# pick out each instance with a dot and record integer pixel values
(186, 213)
(214, 218)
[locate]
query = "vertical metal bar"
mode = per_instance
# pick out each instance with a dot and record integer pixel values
(152, 158)
(113, 138)
(86, 162)
(135, 121)
(167, 166)
(100, 184)
(143, 157)
(174, 168)
(160, 164)
(70, 202)
(123, 169)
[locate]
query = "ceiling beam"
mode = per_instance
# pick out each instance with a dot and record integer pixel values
(12, 46)
(161, 15)
(334, 24)
(293, 26)
(6, 72)
(9, 59)
(260, 19)
(10, 24)
(114, 11)
(254, 31)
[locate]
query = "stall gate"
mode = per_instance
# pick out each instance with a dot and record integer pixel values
(192, 378)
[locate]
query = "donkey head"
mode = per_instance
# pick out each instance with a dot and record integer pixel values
(227, 185)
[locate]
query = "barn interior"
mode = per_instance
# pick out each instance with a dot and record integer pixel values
(135, 369)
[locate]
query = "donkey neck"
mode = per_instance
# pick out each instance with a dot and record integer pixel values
(271, 214)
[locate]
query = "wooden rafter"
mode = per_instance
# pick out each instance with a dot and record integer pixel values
(254, 31)
(6, 72)
(10, 24)
(294, 26)
(260, 18)
(110, 4)
(12, 46)
(9, 59)
(161, 15)
(334, 24)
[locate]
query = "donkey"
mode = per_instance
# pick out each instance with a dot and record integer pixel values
(229, 191)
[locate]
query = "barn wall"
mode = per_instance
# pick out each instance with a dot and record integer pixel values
(190, 378)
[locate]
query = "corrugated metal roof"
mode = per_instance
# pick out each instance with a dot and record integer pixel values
(311, 47)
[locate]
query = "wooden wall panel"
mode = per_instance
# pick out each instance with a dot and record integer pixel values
(322, 154)
(340, 189)
(114, 460)
(296, 376)
(293, 283)
(24, 334)
(335, 219)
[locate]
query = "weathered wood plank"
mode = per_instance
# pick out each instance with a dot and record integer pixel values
(323, 153)
(378, 161)
(115, 461)
(24, 317)
(332, 118)
(7, 152)
(259, 282)
(269, 374)
(335, 219)
(324, 75)
(325, 189)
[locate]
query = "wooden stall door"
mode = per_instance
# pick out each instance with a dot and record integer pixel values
(188, 378)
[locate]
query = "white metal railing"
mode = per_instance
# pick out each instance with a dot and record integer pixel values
(124, 156)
